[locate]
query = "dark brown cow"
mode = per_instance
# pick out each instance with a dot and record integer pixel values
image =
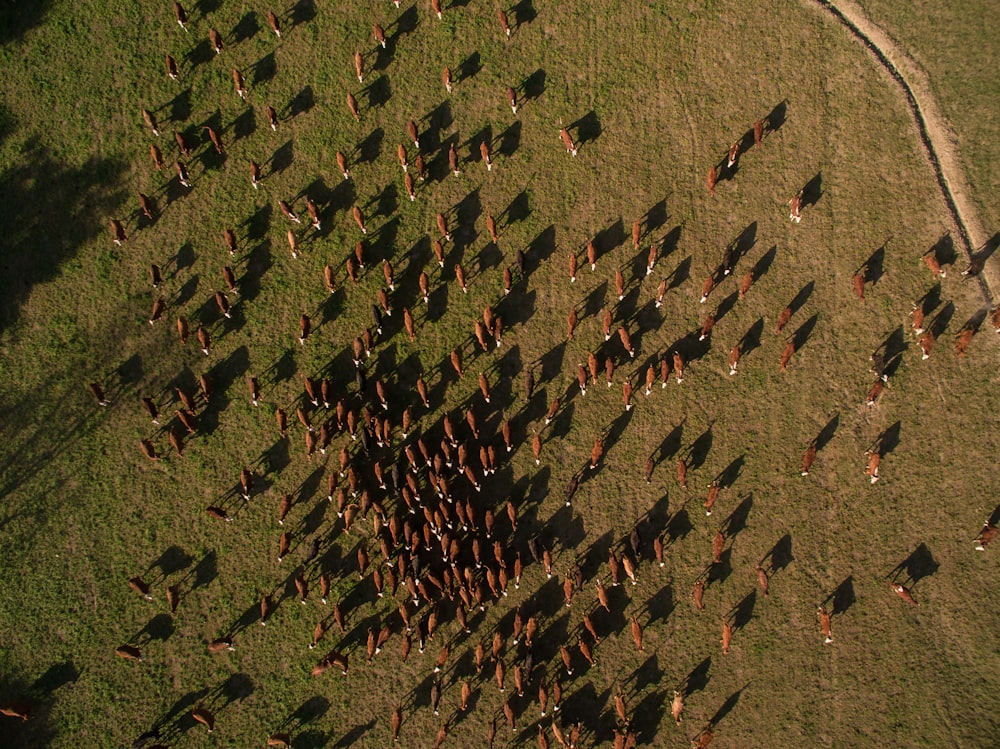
(995, 319)
(254, 174)
(159, 307)
(567, 141)
(117, 232)
(157, 155)
(182, 145)
(215, 38)
(215, 138)
(706, 327)
(181, 15)
(150, 119)
(205, 339)
(129, 653)
(512, 100)
(410, 188)
(203, 716)
(220, 645)
(272, 21)
(148, 449)
(218, 513)
(141, 587)
(305, 326)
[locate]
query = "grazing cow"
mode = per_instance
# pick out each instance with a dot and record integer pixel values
(446, 79)
(859, 285)
(758, 132)
(718, 545)
(677, 706)
(932, 263)
(215, 138)
(596, 453)
(962, 341)
(272, 21)
(567, 141)
(117, 232)
(704, 738)
(871, 469)
(824, 624)
(148, 449)
(352, 105)
(727, 635)
(203, 716)
(220, 645)
(223, 304)
(904, 593)
(637, 634)
(230, 278)
(246, 483)
(293, 243)
(313, 213)
(176, 441)
(410, 189)
(873, 393)
(453, 160)
(503, 22)
(650, 379)
(359, 67)
(995, 319)
(401, 155)
(627, 394)
(734, 152)
(254, 390)
(585, 651)
(783, 318)
(745, 284)
(305, 326)
(181, 15)
(808, 458)
(442, 225)
(713, 495)
(926, 342)
(150, 119)
(359, 219)
(129, 653)
(706, 327)
(151, 409)
(397, 722)
(553, 407)
(986, 536)
(699, 594)
(484, 387)
(762, 580)
(147, 206)
(239, 84)
(186, 417)
(682, 473)
(215, 38)
(571, 321)
(512, 100)
(786, 354)
(636, 234)
(141, 587)
(484, 151)
(620, 285)
(283, 740)
(711, 180)
(795, 205)
(706, 288)
(456, 361)
(157, 155)
(254, 174)
(626, 341)
(98, 392)
(734, 358)
(287, 212)
(183, 146)
(918, 319)
(678, 367)
(460, 277)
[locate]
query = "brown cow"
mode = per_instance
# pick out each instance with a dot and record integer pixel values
(711, 180)
(218, 513)
(706, 288)
(446, 79)
(874, 458)
(795, 205)
(926, 342)
(713, 495)
(637, 633)
(962, 341)
(272, 21)
(858, 283)
(677, 706)
(783, 318)
(220, 645)
(359, 67)
(203, 716)
(718, 545)
(486, 154)
(181, 15)
(699, 594)
(183, 146)
(129, 653)
(808, 458)
(215, 38)
(283, 740)
(254, 174)
(626, 341)
(410, 188)
(141, 587)
(352, 105)
(651, 259)
(460, 277)
(117, 232)
(932, 263)
(620, 284)
(904, 593)
(157, 155)
(824, 624)
(627, 394)
(239, 84)
(678, 367)
(567, 141)
(734, 152)
(596, 453)
(874, 392)
(150, 119)
(986, 536)
(786, 354)
(453, 160)
(727, 635)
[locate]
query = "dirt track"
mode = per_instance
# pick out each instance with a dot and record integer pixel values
(933, 129)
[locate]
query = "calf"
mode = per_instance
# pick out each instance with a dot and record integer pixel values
(567, 141)
(220, 645)
(283, 740)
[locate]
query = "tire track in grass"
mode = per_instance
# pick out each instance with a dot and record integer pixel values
(932, 129)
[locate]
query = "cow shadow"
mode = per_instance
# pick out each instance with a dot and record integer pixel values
(509, 140)
(697, 679)
(802, 297)
(264, 69)
(741, 614)
(737, 519)
(379, 92)
(872, 268)
(57, 675)
(843, 597)
(780, 555)
(179, 108)
(533, 86)
(941, 321)
(727, 477)
(518, 210)
(888, 440)
(302, 12)
(813, 190)
(246, 28)
(918, 565)
(727, 706)
(700, 448)
(679, 525)
(802, 333)
(282, 158)
(354, 736)
(776, 118)
(587, 128)
(471, 65)
(173, 559)
(751, 339)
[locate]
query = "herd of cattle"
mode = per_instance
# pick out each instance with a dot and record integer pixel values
(445, 555)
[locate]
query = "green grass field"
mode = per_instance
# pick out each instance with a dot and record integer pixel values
(654, 95)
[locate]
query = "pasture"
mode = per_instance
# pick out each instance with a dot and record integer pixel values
(653, 96)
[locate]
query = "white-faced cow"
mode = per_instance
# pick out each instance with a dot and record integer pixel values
(446, 79)
(150, 119)
(215, 39)
(567, 141)
(272, 21)
(795, 205)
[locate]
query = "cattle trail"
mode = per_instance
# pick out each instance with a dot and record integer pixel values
(932, 128)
